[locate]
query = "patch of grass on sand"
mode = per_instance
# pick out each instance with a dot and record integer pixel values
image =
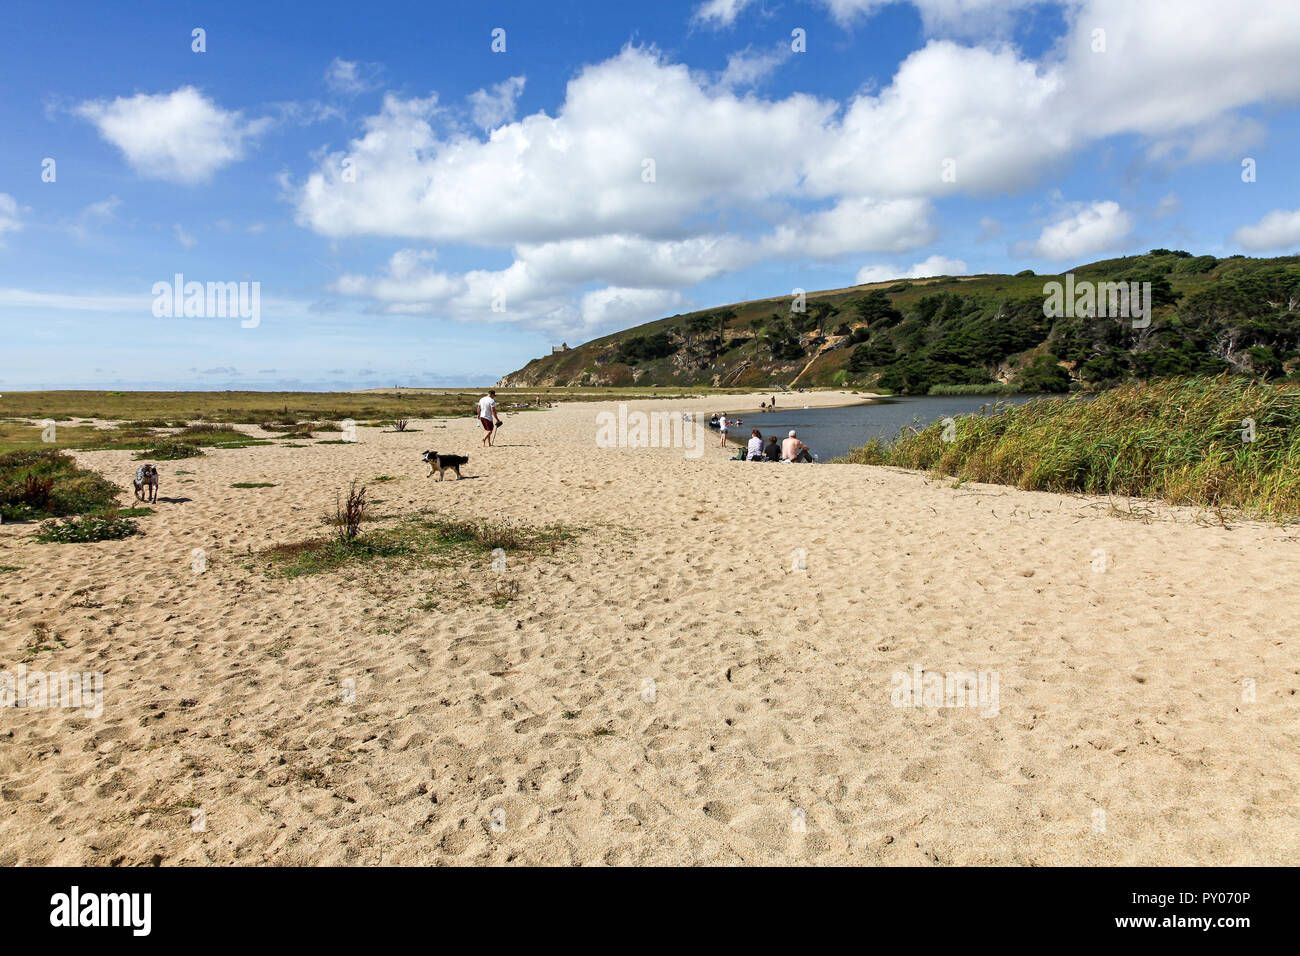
(138, 512)
(317, 555)
(9, 567)
(384, 478)
(43, 639)
(218, 436)
(253, 484)
(334, 441)
(40, 483)
(422, 540)
(503, 592)
(1225, 442)
(487, 536)
(80, 529)
(170, 451)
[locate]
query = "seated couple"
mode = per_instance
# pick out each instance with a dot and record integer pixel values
(792, 449)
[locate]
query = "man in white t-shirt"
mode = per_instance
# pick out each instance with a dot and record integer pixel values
(722, 427)
(487, 414)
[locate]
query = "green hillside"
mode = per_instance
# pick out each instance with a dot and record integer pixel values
(988, 332)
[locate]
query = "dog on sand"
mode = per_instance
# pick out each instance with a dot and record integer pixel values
(443, 462)
(146, 484)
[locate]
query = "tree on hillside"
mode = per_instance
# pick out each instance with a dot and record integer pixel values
(720, 322)
(875, 308)
(878, 353)
(1043, 374)
(822, 311)
(781, 340)
(697, 325)
(644, 348)
(1162, 293)
(802, 321)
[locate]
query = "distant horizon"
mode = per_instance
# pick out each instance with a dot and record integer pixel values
(174, 387)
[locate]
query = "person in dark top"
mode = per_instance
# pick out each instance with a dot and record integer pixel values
(773, 450)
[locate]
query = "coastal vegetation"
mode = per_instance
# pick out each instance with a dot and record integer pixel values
(78, 505)
(986, 334)
(1224, 442)
(86, 528)
(45, 483)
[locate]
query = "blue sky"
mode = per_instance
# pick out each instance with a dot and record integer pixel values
(420, 209)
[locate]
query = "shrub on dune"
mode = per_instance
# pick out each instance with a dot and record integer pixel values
(170, 451)
(86, 528)
(43, 482)
(81, 494)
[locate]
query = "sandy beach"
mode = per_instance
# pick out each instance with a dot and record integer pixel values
(706, 675)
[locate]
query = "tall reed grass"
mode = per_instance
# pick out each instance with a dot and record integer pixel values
(1226, 442)
(989, 388)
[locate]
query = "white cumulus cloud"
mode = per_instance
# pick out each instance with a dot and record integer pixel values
(933, 266)
(627, 307)
(1096, 227)
(491, 108)
(957, 16)
(181, 136)
(1279, 229)
(719, 13)
(749, 67)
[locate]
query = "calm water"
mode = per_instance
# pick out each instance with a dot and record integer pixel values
(831, 432)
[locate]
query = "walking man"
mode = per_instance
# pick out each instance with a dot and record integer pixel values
(487, 414)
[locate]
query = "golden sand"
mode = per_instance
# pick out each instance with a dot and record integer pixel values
(706, 675)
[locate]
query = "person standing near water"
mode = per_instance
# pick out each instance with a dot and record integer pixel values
(487, 414)
(722, 427)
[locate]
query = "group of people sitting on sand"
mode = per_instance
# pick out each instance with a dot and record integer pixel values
(790, 450)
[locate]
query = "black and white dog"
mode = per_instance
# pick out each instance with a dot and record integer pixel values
(443, 462)
(146, 484)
